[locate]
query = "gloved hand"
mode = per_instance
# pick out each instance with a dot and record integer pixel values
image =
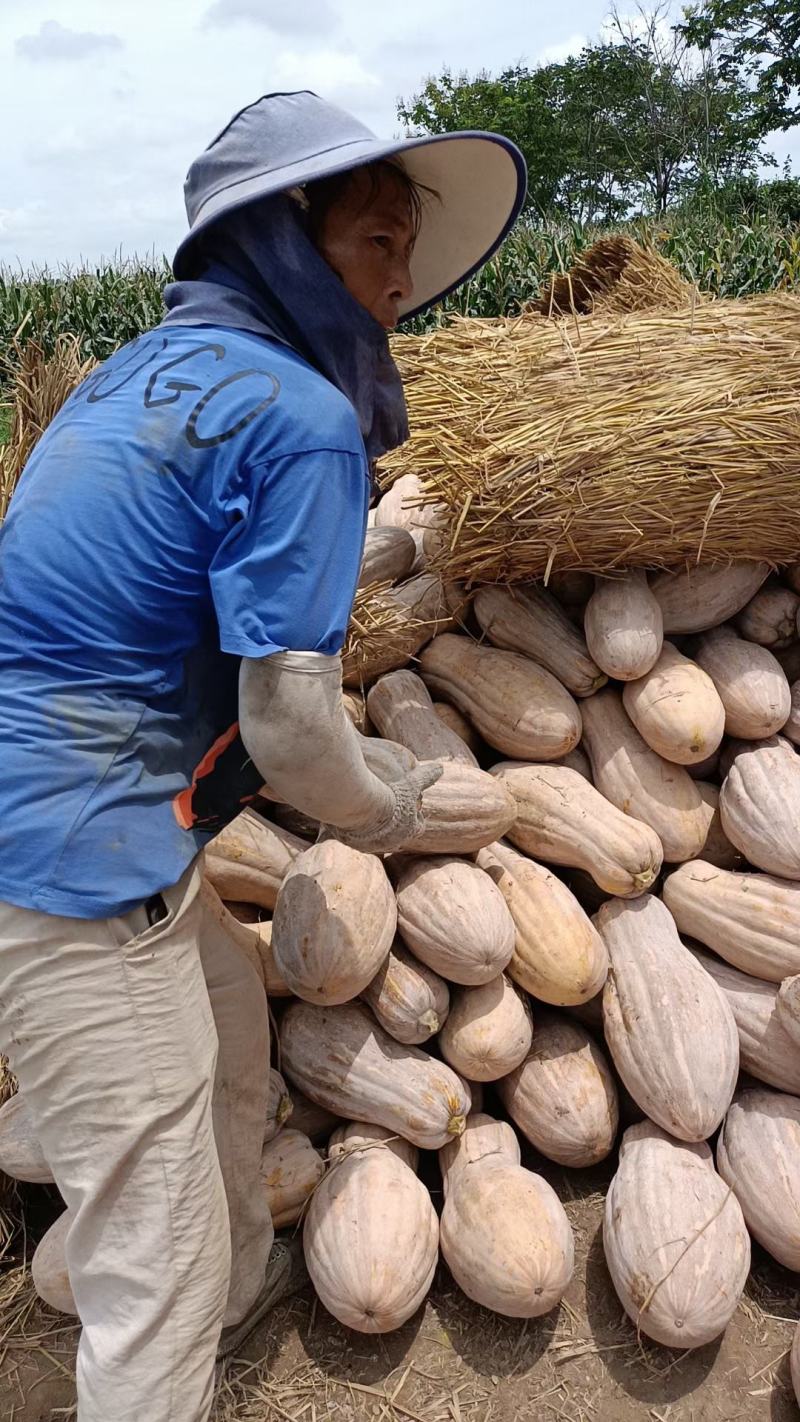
(405, 821)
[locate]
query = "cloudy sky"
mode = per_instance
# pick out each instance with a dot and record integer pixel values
(104, 105)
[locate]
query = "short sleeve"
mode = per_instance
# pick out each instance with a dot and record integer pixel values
(284, 577)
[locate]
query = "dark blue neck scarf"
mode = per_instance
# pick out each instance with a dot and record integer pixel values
(257, 270)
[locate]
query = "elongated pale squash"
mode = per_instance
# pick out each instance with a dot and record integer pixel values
(400, 507)
(334, 922)
(488, 1031)
(371, 1236)
(249, 859)
(463, 811)
(791, 726)
(290, 1171)
(758, 1155)
(680, 1062)
(624, 626)
(766, 1050)
(457, 722)
(483, 1137)
(279, 1106)
(732, 747)
(389, 555)
(675, 1240)
(21, 1155)
(558, 956)
(750, 681)
(342, 1059)
(563, 1097)
(410, 1001)
(455, 919)
(563, 819)
(788, 1008)
(49, 1267)
(760, 808)
(400, 706)
(640, 782)
(717, 849)
(770, 618)
(703, 597)
(751, 920)
(529, 620)
(517, 706)
(676, 709)
(505, 1237)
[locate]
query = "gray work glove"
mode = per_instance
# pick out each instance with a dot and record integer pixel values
(404, 821)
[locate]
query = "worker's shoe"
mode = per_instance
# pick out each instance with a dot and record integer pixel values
(286, 1273)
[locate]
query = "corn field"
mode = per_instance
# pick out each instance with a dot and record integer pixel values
(108, 305)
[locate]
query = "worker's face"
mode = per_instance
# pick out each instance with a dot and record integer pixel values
(368, 240)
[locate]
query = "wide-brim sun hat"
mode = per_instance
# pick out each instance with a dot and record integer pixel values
(284, 141)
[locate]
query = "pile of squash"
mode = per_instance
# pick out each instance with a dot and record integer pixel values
(601, 919)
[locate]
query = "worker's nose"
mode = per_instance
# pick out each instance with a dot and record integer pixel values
(402, 284)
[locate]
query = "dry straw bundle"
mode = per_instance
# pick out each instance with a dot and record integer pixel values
(616, 275)
(599, 443)
(39, 387)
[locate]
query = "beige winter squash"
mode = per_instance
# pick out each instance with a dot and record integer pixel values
(717, 849)
(640, 782)
(558, 956)
(482, 1138)
(732, 746)
(705, 596)
(401, 507)
(529, 620)
(456, 721)
(751, 683)
(505, 1237)
(770, 618)
(409, 999)
(794, 1362)
(463, 811)
(371, 1236)
(21, 1155)
(751, 920)
(356, 708)
(397, 622)
(563, 1097)
(342, 1059)
(452, 917)
(389, 555)
(279, 1106)
(760, 808)
(758, 1155)
(766, 1050)
(669, 1028)
(334, 922)
(563, 819)
(624, 626)
(788, 1008)
(791, 727)
(361, 1135)
(676, 709)
(400, 707)
(290, 1170)
(489, 1029)
(313, 1120)
(249, 858)
(49, 1267)
(675, 1240)
(577, 759)
(518, 706)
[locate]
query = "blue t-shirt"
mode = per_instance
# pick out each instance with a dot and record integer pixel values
(200, 498)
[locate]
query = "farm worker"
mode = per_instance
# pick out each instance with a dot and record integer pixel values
(178, 569)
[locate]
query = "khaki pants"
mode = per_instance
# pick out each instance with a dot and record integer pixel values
(142, 1053)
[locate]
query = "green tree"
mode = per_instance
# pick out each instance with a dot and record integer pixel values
(758, 40)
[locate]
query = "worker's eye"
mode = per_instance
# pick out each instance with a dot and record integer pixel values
(382, 240)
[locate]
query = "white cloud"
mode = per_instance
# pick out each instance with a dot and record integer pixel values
(312, 17)
(53, 41)
(557, 53)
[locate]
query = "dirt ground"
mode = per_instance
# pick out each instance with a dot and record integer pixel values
(455, 1362)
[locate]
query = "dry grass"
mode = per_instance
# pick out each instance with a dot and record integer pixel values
(648, 440)
(616, 276)
(39, 387)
